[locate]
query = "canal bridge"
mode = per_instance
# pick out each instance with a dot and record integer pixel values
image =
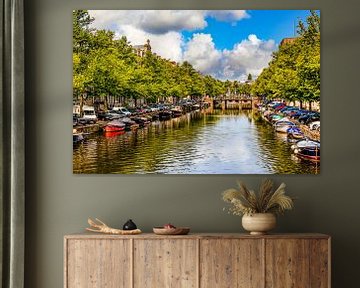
(234, 102)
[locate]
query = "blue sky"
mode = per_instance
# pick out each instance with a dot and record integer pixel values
(265, 24)
(227, 44)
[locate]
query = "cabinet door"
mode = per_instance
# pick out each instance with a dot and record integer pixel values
(165, 263)
(231, 263)
(320, 263)
(98, 263)
(287, 263)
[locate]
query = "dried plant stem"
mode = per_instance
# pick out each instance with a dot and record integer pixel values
(101, 227)
(245, 201)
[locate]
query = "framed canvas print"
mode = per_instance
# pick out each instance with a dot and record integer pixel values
(196, 92)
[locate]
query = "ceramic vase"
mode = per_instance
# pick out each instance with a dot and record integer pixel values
(259, 223)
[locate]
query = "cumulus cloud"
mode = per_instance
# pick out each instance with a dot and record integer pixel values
(228, 15)
(163, 21)
(151, 21)
(167, 45)
(164, 29)
(248, 56)
(200, 51)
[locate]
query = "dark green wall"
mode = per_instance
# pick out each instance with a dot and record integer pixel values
(59, 203)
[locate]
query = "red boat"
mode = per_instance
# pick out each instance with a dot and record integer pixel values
(113, 134)
(114, 126)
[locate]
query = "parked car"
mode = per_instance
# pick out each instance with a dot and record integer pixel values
(89, 115)
(279, 107)
(288, 110)
(314, 125)
(75, 120)
(134, 110)
(115, 114)
(154, 107)
(298, 114)
(309, 117)
(123, 110)
(106, 116)
(274, 103)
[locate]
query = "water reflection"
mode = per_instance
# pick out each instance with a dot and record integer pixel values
(211, 142)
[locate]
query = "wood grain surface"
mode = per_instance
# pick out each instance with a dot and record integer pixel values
(165, 263)
(197, 260)
(98, 264)
(231, 263)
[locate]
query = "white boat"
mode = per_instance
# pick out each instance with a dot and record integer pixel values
(77, 136)
(307, 150)
(306, 143)
(283, 125)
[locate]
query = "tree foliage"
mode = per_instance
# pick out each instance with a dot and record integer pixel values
(294, 71)
(104, 66)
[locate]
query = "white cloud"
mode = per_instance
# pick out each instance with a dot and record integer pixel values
(166, 45)
(164, 27)
(200, 51)
(248, 56)
(228, 15)
(162, 21)
(151, 21)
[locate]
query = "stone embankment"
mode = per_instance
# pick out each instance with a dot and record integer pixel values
(312, 134)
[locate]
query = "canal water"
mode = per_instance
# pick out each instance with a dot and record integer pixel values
(206, 142)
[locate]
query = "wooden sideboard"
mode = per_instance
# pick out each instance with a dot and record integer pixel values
(197, 260)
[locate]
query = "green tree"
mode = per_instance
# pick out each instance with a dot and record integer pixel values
(294, 71)
(108, 68)
(81, 30)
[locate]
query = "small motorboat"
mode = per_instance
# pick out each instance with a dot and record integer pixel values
(142, 121)
(275, 117)
(295, 132)
(114, 134)
(155, 117)
(306, 143)
(115, 126)
(77, 136)
(129, 124)
(176, 111)
(308, 153)
(283, 125)
(165, 115)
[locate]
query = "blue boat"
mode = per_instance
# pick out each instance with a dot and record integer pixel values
(295, 132)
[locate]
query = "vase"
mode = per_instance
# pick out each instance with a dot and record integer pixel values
(129, 225)
(259, 223)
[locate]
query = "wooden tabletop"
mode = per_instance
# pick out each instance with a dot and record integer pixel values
(89, 235)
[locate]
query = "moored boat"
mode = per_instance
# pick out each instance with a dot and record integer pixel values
(283, 125)
(113, 134)
(142, 121)
(114, 126)
(306, 143)
(165, 115)
(295, 132)
(176, 111)
(129, 124)
(77, 136)
(308, 153)
(275, 117)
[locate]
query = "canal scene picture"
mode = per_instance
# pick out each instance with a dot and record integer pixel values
(196, 92)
